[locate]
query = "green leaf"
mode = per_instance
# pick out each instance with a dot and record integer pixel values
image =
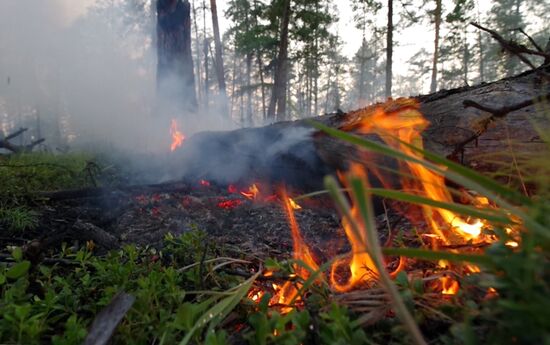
(487, 214)
(17, 254)
(220, 310)
(18, 270)
(2, 279)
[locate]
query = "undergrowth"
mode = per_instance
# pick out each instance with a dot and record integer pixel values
(23, 176)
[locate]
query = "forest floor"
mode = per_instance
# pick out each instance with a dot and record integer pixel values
(82, 252)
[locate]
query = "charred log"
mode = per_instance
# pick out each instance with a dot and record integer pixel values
(296, 154)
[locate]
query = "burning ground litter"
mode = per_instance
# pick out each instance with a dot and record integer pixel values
(324, 250)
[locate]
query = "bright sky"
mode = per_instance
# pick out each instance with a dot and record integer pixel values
(408, 41)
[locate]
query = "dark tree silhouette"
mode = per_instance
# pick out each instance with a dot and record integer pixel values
(175, 76)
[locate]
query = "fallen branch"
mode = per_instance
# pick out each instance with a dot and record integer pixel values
(16, 133)
(5, 144)
(513, 47)
(107, 320)
(89, 232)
(496, 113)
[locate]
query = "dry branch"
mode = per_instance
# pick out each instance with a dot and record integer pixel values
(495, 114)
(512, 47)
(108, 319)
(5, 144)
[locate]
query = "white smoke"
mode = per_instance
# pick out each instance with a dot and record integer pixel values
(89, 73)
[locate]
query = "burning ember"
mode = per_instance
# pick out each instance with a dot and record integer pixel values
(177, 136)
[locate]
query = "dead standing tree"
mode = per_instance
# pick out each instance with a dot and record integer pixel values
(175, 76)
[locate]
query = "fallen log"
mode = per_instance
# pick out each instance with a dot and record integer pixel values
(295, 154)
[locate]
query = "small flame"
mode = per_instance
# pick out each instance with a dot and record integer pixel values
(288, 291)
(256, 295)
(449, 286)
(177, 136)
(293, 204)
(361, 266)
(252, 193)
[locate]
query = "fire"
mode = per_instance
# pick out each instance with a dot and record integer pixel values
(293, 204)
(177, 136)
(252, 193)
(288, 291)
(256, 295)
(361, 266)
(449, 286)
(398, 122)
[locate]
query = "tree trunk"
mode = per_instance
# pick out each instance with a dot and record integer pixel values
(277, 104)
(389, 49)
(437, 20)
(249, 89)
(219, 58)
(206, 74)
(262, 82)
(198, 52)
(466, 61)
(175, 76)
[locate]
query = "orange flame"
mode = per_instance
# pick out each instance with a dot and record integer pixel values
(252, 193)
(288, 291)
(398, 122)
(361, 266)
(449, 286)
(177, 136)
(293, 204)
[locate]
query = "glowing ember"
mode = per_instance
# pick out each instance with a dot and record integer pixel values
(256, 295)
(232, 189)
(177, 136)
(230, 204)
(449, 286)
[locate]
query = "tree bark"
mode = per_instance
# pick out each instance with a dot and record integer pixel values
(389, 49)
(277, 104)
(175, 76)
(437, 20)
(219, 58)
(198, 54)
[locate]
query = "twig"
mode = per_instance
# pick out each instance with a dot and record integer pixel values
(4, 143)
(533, 42)
(16, 133)
(87, 231)
(108, 319)
(513, 47)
